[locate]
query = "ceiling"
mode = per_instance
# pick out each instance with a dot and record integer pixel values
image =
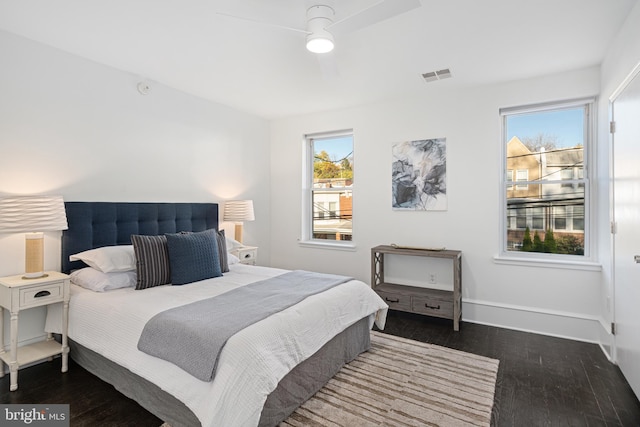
(264, 70)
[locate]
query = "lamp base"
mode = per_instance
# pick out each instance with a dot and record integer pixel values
(34, 256)
(29, 276)
(238, 232)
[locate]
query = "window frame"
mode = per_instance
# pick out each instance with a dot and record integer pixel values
(586, 261)
(307, 238)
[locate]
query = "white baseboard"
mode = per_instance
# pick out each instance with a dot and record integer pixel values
(555, 323)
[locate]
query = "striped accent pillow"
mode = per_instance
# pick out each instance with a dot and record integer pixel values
(152, 261)
(222, 252)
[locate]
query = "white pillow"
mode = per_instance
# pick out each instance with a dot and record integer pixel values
(97, 281)
(232, 259)
(232, 244)
(109, 258)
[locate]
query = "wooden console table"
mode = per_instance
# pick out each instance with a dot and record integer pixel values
(415, 299)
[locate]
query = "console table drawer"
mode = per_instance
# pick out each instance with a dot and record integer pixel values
(396, 301)
(432, 307)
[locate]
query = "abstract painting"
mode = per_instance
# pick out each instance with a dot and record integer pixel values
(419, 175)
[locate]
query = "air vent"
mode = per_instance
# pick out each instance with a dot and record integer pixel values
(432, 76)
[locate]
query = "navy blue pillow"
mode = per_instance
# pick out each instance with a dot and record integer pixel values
(193, 256)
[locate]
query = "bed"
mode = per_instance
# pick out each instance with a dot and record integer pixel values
(262, 375)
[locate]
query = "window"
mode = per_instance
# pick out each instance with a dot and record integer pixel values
(567, 175)
(522, 175)
(521, 218)
(328, 184)
(578, 218)
(547, 146)
(509, 179)
(559, 217)
(537, 220)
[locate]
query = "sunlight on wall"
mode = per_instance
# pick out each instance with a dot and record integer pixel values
(42, 173)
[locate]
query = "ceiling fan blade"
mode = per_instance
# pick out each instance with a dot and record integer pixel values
(268, 24)
(328, 66)
(378, 12)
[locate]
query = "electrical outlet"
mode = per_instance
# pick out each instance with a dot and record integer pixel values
(432, 278)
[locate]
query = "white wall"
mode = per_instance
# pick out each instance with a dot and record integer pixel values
(73, 127)
(622, 57)
(548, 300)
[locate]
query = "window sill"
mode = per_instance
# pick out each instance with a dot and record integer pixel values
(547, 263)
(328, 245)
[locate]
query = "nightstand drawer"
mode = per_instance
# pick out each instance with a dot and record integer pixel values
(432, 307)
(35, 296)
(396, 301)
(247, 256)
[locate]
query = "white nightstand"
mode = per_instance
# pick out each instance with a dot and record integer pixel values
(247, 254)
(18, 294)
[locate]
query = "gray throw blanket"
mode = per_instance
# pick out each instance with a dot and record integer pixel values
(193, 335)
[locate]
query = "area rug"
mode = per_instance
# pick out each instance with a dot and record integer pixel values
(401, 382)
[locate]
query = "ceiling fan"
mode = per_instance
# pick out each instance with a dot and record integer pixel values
(322, 25)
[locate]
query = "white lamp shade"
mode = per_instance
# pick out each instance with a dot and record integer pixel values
(238, 211)
(21, 214)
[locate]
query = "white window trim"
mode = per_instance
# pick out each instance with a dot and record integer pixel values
(540, 260)
(306, 238)
(587, 261)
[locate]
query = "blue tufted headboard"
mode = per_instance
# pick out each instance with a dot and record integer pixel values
(96, 224)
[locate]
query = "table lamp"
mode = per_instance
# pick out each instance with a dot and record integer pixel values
(238, 211)
(32, 215)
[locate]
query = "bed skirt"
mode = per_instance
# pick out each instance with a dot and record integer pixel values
(294, 389)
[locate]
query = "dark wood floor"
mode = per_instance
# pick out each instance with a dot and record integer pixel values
(542, 381)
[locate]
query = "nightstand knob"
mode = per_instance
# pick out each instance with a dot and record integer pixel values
(42, 294)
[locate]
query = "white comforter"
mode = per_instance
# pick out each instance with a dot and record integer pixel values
(255, 359)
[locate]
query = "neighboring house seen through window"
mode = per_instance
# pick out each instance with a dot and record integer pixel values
(547, 146)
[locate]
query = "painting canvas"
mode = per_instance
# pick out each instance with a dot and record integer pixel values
(419, 175)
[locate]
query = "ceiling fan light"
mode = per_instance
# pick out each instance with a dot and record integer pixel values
(319, 17)
(320, 43)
